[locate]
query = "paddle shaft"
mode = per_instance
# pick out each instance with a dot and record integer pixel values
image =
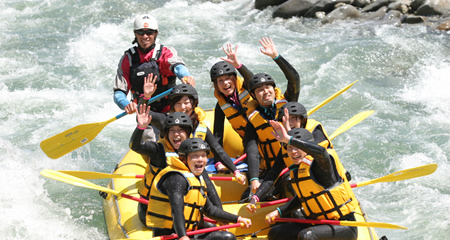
(200, 231)
(71, 139)
(312, 110)
(341, 223)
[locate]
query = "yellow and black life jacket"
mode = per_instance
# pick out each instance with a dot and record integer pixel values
(159, 213)
(151, 171)
(312, 125)
(237, 118)
(268, 145)
(202, 128)
(334, 202)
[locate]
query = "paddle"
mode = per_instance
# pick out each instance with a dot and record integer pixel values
(191, 233)
(342, 223)
(312, 110)
(351, 122)
(62, 177)
(71, 139)
(401, 175)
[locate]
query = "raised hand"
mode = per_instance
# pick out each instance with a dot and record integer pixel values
(285, 120)
(143, 116)
(150, 85)
(268, 47)
(232, 55)
(280, 132)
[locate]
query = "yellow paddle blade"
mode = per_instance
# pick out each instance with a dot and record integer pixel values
(312, 110)
(96, 175)
(69, 140)
(372, 224)
(258, 221)
(62, 177)
(351, 122)
(402, 175)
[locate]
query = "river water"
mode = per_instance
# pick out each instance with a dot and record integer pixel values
(59, 60)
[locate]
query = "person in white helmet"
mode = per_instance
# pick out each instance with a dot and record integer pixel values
(148, 57)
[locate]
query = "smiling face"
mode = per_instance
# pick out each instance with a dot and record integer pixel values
(176, 136)
(226, 84)
(295, 121)
(183, 105)
(265, 94)
(295, 154)
(196, 162)
(147, 38)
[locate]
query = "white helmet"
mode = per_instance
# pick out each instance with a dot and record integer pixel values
(145, 21)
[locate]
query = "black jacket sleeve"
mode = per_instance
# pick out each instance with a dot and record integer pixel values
(251, 148)
(290, 206)
(211, 190)
(246, 74)
(218, 214)
(293, 88)
(219, 154)
(219, 122)
(175, 186)
(158, 120)
(271, 176)
(155, 151)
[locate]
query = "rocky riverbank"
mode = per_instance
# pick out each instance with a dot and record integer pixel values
(434, 13)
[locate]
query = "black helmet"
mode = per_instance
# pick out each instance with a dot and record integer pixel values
(193, 145)
(221, 68)
(178, 119)
(183, 89)
(302, 134)
(259, 79)
(294, 108)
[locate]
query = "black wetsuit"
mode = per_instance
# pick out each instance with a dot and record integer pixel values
(156, 154)
(251, 138)
(274, 172)
(219, 116)
(324, 173)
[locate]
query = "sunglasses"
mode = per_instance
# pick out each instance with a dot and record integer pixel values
(142, 32)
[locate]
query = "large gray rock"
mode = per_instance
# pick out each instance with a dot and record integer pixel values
(379, 14)
(434, 7)
(399, 6)
(412, 19)
(415, 4)
(376, 5)
(293, 8)
(361, 3)
(324, 6)
(343, 12)
(262, 4)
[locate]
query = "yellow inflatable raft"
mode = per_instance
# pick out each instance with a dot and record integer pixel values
(121, 214)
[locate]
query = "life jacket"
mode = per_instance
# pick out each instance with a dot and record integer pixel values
(139, 71)
(318, 202)
(159, 213)
(268, 145)
(236, 117)
(312, 125)
(151, 171)
(202, 128)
